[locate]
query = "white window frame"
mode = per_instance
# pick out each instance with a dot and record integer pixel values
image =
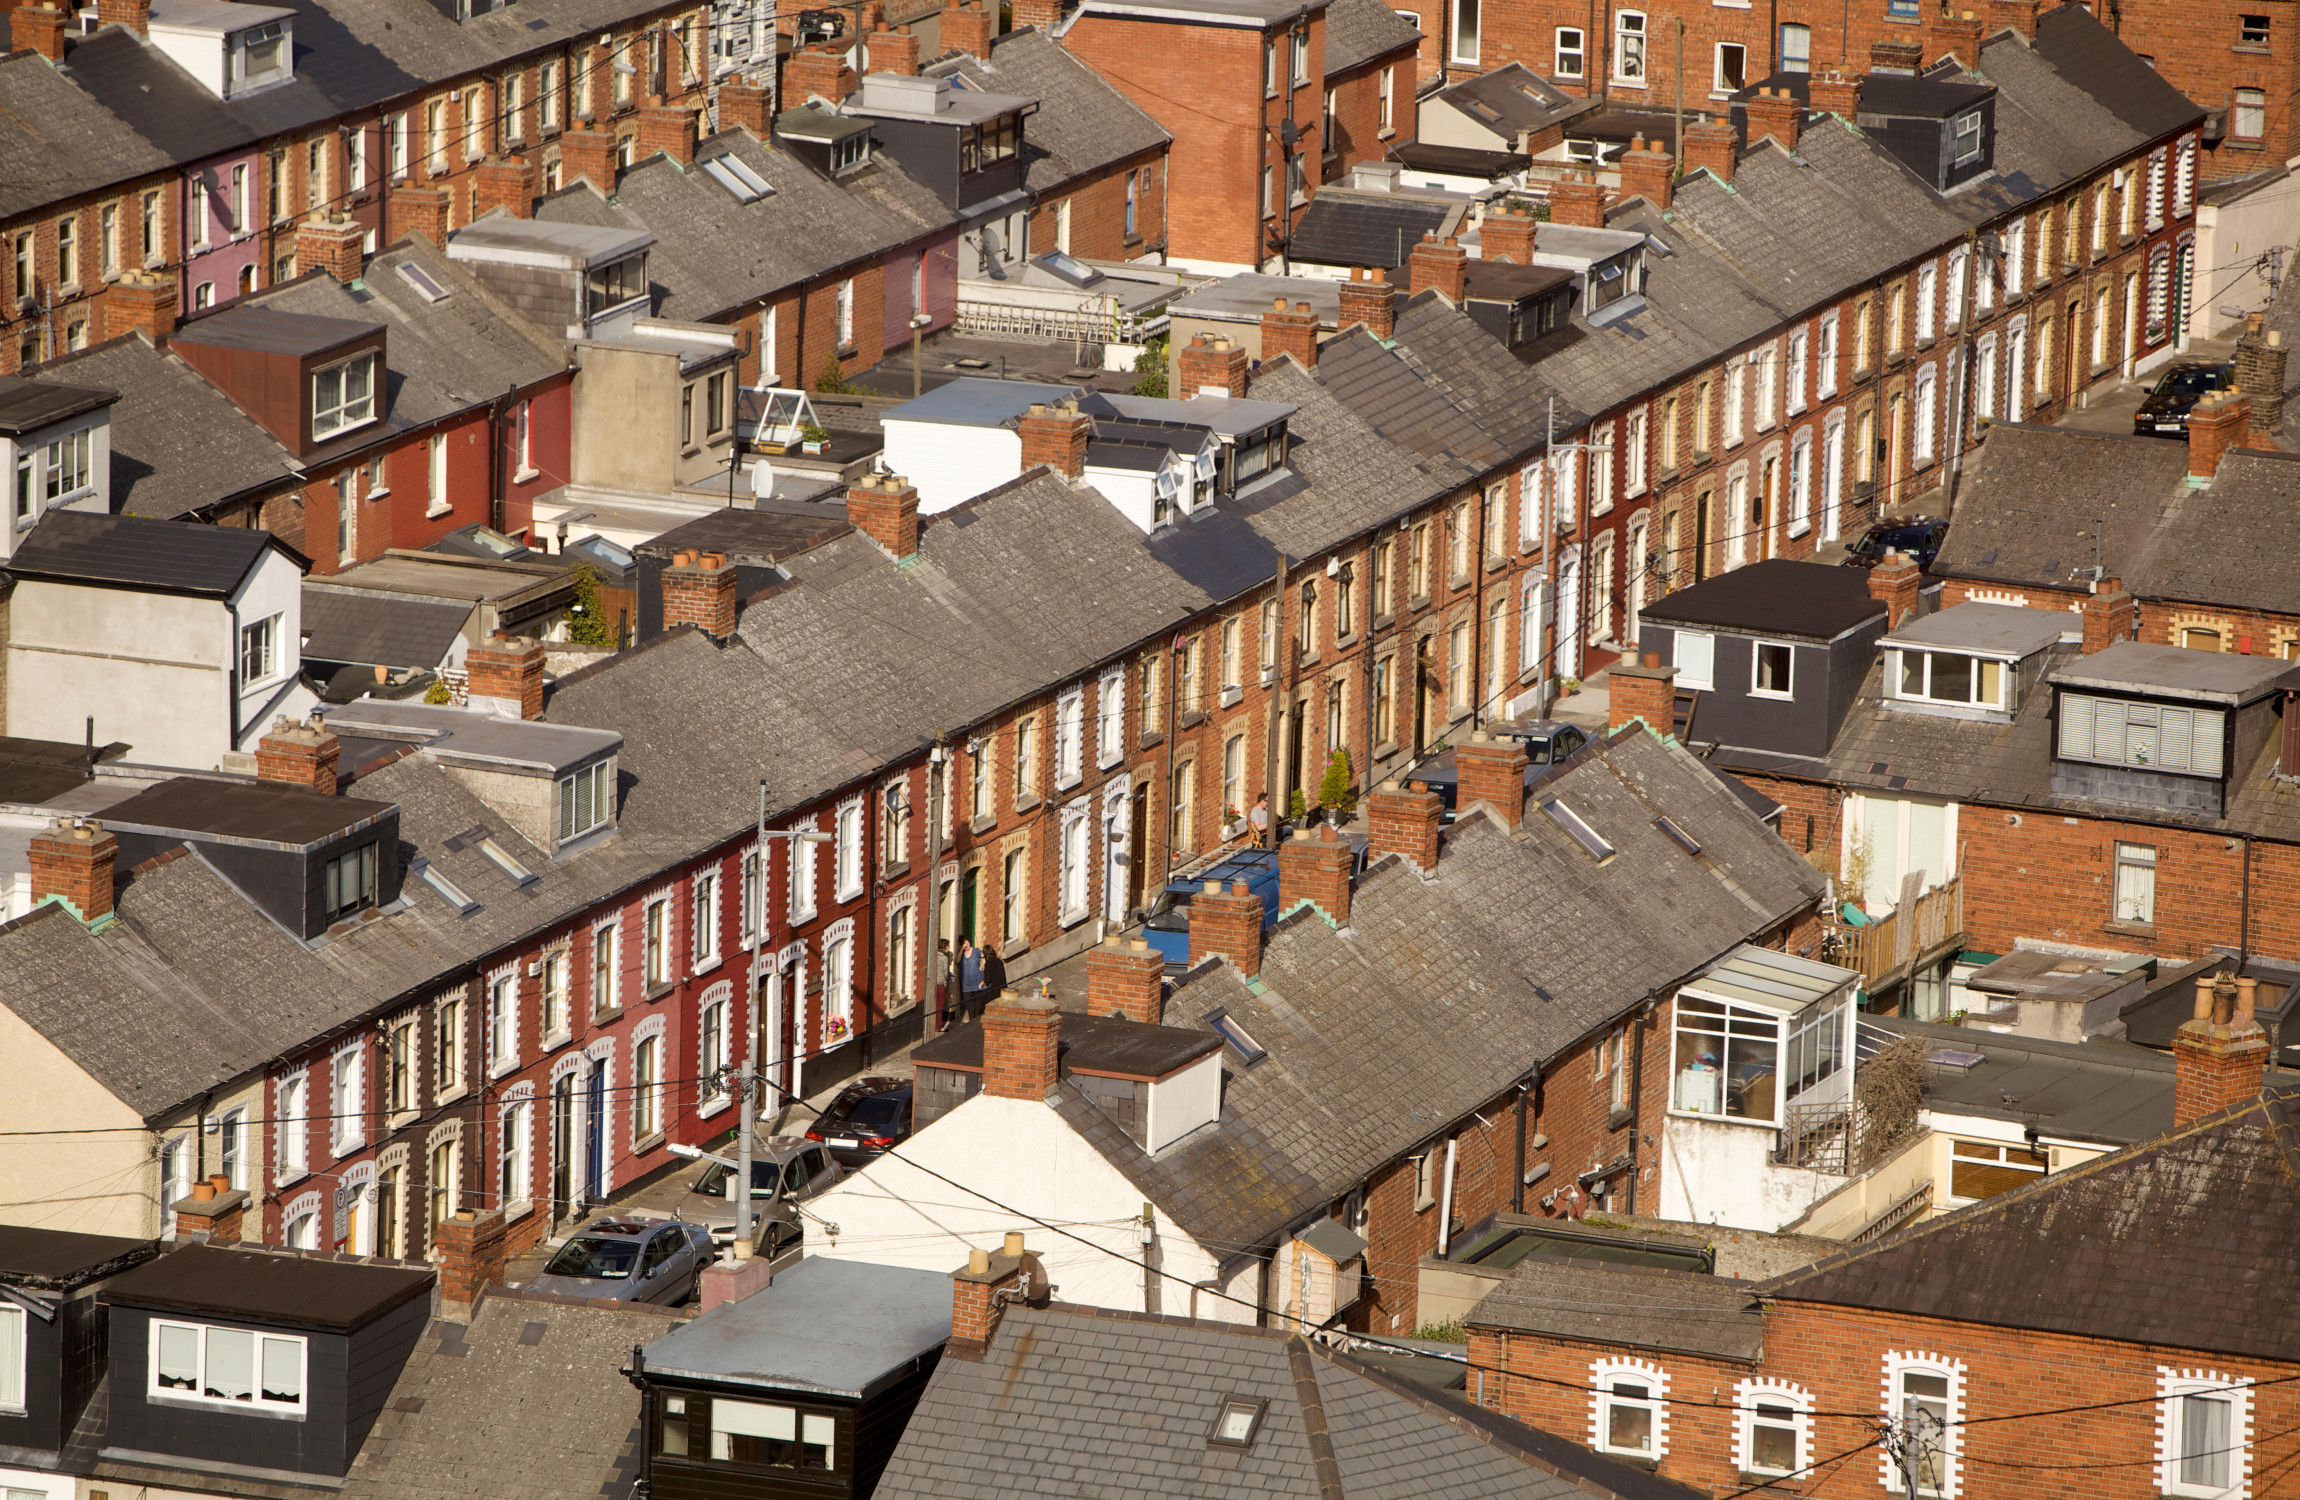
(1756, 650)
(291, 1105)
(1895, 683)
(703, 910)
(1070, 737)
(848, 861)
(256, 1400)
(1701, 678)
(1748, 1395)
(1632, 456)
(1579, 52)
(1629, 40)
(1110, 713)
(15, 1340)
(804, 876)
(2172, 1385)
(2077, 738)
(2144, 857)
(1801, 483)
(838, 980)
(233, 1125)
(1896, 1364)
(1825, 351)
(1077, 860)
(502, 1022)
(347, 413)
(1603, 1374)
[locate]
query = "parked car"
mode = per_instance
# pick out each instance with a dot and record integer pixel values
(1919, 536)
(786, 1170)
(1548, 744)
(869, 1116)
(2164, 412)
(630, 1259)
(1168, 926)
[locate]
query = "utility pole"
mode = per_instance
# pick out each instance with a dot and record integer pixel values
(1277, 677)
(747, 1078)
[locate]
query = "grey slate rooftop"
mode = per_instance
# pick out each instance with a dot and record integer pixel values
(27, 404)
(834, 1327)
(179, 445)
(271, 1286)
(1638, 1307)
(1070, 1400)
(370, 629)
(1774, 597)
(166, 557)
(2100, 1090)
(1083, 123)
(1990, 629)
(1358, 31)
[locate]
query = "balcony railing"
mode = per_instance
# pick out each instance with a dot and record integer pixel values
(1890, 948)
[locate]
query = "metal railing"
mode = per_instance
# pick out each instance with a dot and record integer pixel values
(1096, 326)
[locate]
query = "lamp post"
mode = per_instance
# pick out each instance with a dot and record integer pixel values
(747, 1079)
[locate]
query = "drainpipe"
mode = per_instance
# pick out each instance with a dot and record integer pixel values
(1445, 1199)
(1277, 683)
(1636, 1100)
(495, 458)
(1517, 1187)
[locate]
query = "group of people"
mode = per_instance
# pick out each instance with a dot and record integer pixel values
(976, 972)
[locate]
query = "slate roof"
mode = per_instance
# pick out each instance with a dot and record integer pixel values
(2115, 1248)
(1083, 122)
(2036, 498)
(1645, 1307)
(297, 1290)
(1443, 993)
(1358, 31)
(2089, 55)
(1346, 229)
(445, 356)
(58, 141)
(1776, 596)
(528, 1399)
(1510, 99)
(167, 557)
(179, 445)
(713, 254)
(1346, 477)
(370, 629)
(1072, 1400)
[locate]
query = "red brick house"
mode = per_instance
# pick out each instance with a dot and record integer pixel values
(1961, 1352)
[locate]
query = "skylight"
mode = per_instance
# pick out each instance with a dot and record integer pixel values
(735, 175)
(426, 285)
(1584, 835)
(437, 879)
(500, 857)
(1677, 835)
(1245, 1046)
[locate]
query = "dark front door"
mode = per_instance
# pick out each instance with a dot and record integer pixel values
(969, 899)
(595, 1132)
(1137, 843)
(562, 1145)
(1700, 536)
(1293, 753)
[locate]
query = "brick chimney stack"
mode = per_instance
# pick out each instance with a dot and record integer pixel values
(2219, 1056)
(897, 51)
(1438, 267)
(1958, 32)
(1491, 771)
(1227, 923)
(1021, 1047)
(2109, 615)
(1648, 171)
(822, 71)
(1896, 56)
(1709, 145)
(1775, 113)
(968, 28)
(1368, 298)
(669, 129)
(1578, 201)
(1210, 366)
(331, 244)
(1126, 979)
(1834, 93)
(2216, 424)
(1315, 867)
(1290, 330)
(471, 1257)
(301, 753)
(423, 210)
(506, 677)
(139, 302)
(136, 15)
(1507, 234)
(1404, 821)
(212, 1213)
(2260, 359)
(744, 106)
(504, 182)
(72, 862)
(699, 590)
(1056, 437)
(981, 1292)
(1895, 582)
(1045, 15)
(582, 153)
(886, 510)
(1641, 694)
(37, 28)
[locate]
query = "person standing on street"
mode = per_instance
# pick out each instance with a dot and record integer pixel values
(970, 980)
(993, 978)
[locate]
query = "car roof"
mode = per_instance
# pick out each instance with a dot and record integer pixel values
(629, 1228)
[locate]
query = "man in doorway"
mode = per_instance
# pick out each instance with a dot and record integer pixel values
(1260, 819)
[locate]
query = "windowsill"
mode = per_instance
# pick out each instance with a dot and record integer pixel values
(2253, 48)
(380, 492)
(652, 1142)
(289, 1178)
(449, 1096)
(1618, 1116)
(982, 824)
(1383, 622)
(1150, 741)
(1231, 696)
(1643, 1461)
(1424, 1205)
(1495, 564)
(398, 1119)
(1629, 83)
(503, 1067)
(1021, 805)
(524, 475)
(655, 990)
(1014, 949)
(2130, 929)
(1309, 660)
(1070, 919)
(1799, 529)
(1722, 1119)
(705, 964)
(607, 1014)
(1461, 580)
(1418, 601)
(710, 1107)
(895, 871)
(1385, 749)
(1769, 693)
(1190, 720)
(844, 895)
(556, 1040)
(434, 512)
(514, 1212)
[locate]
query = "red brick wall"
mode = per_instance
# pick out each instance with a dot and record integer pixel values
(1358, 132)
(2200, 50)
(1098, 209)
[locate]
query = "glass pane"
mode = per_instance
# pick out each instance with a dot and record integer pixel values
(1773, 1449)
(1952, 677)
(1629, 1428)
(1749, 1083)
(816, 1449)
(2204, 1426)
(231, 1365)
(179, 1358)
(283, 1370)
(1700, 1076)
(1992, 693)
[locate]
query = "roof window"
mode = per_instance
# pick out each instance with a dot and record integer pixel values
(1239, 1420)
(735, 175)
(1248, 1050)
(437, 879)
(1582, 834)
(426, 285)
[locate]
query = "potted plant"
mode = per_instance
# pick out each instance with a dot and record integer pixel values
(813, 439)
(835, 1030)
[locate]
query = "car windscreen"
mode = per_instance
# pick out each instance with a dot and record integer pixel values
(712, 1181)
(603, 1260)
(2189, 382)
(879, 1109)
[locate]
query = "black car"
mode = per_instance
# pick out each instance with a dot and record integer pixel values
(2165, 412)
(1548, 744)
(1920, 537)
(866, 1118)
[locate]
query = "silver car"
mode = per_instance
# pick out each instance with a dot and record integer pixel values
(630, 1260)
(786, 1171)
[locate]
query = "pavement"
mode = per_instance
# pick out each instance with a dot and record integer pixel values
(2108, 407)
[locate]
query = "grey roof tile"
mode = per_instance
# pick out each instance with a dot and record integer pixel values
(179, 445)
(1358, 31)
(1083, 122)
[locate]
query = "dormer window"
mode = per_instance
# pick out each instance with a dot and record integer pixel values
(983, 146)
(260, 55)
(1951, 677)
(612, 285)
(849, 152)
(232, 1367)
(2149, 736)
(586, 800)
(1967, 141)
(343, 396)
(1257, 454)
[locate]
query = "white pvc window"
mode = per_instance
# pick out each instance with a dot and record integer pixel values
(585, 800)
(1696, 659)
(227, 1366)
(1628, 1408)
(12, 1357)
(1774, 1432)
(1948, 677)
(1924, 1400)
(343, 396)
(2204, 1434)
(2152, 736)
(1629, 47)
(781, 1437)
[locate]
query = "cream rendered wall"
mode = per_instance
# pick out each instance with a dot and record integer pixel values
(949, 463)
(161, 660)
(1022, 1154)
(100, 1180)
(274, 587)
(626, 417)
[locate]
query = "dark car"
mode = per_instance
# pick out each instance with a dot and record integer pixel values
(868, 1117)
(2165, 411)
(1548, 744)
(1920, 537)
(630, 1260)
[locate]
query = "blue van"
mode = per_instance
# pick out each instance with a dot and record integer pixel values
(1168, 927)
